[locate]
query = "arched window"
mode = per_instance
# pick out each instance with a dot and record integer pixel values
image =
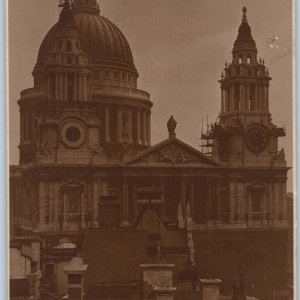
(249, 59)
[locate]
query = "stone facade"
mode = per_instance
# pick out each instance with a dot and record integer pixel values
(87, 164)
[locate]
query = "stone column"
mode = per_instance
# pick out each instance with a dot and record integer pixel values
(119, 125)
(138, 126)
(144, 127)
(183, 197)
(222, 100)
(267, 98)
(48, 87)
(247, 107)
(256, 97)
(80, 87)
(134, 194)
(42, 204)
(192, 195)
(231, 199)
(75, 87)
(231, 98)
(226, 100)
(61, 86)
(130, 125)
(84, 88)
(209, 199)
(240, 199)
(56, 86)
(106, 129)
(149, 128)
(125, 203)
(276, 201)
(284, 196)
(66, 87)
(242, 97)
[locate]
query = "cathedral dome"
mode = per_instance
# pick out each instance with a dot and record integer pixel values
(101, 40)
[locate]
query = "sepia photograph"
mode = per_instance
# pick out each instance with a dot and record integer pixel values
(151, 149)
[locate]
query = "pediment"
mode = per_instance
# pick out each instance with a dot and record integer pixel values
(172, 152)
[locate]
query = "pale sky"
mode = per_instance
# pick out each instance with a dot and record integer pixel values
(179, 48)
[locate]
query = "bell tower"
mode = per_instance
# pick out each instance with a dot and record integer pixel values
(245, 133)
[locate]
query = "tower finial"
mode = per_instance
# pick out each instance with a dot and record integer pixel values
(244, 14)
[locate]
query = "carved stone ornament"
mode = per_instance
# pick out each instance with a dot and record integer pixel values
(175, 155)
(44, 150)
(97, 151)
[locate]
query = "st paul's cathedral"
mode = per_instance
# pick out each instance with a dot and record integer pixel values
(90, 183)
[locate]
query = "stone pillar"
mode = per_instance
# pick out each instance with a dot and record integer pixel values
(231, 97)
(209, 199)
(61, 86)
(226, 100)
(183, 195)
(42, 203)
(144, 133)
(240, 199)
(284, 199)
(276, 201)
(75, 87)
(130, 125)
(231, 199)
(247, 107)
(149, 128)
(56, 86)
(256, 97)
(65, 95)
(125, 203)
(48, 87)
(222, 100)
(138, 126)
(242, 97)
(210, 289)
(267, 98)
(192, 195)
(134, 193)
(80, 87)
(96, 198)
(107, 135)
(119, 125)
(84, 88)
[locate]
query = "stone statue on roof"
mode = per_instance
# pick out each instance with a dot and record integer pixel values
(171, 126)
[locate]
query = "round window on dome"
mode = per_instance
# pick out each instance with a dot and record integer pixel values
(72, 134)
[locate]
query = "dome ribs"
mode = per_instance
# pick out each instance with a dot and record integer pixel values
(101, 39)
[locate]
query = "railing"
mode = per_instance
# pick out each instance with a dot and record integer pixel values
(120, 91)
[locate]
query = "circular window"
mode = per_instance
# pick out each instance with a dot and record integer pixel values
(72, 134)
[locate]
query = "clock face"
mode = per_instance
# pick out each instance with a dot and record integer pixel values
(256, 139)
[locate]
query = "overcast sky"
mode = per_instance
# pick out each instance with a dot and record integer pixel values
(179, 48)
